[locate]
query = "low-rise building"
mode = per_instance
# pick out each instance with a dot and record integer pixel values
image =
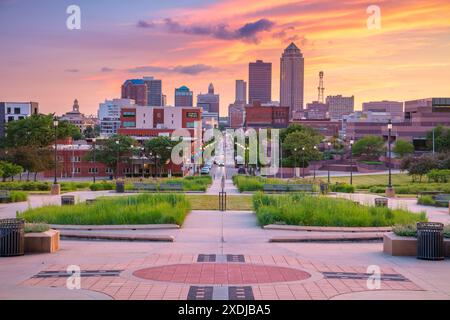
(11, 111)
(109, 115)
(259, 116)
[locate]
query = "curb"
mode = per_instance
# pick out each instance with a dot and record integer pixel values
(117, 237)
(115, 227)
(326, 229)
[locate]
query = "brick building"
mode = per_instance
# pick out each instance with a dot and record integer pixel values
(259, 116)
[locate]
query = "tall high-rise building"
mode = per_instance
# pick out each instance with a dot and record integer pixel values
(339, 106)
(241, 92)
(135, 89)
(292, 75)
(210, 101)
(259, 82)
(154, 91)
(183, 97)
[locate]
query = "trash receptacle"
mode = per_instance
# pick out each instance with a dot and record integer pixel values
(323, 188)
(381, 202)
(120, 187)
(67, 200)
(430, 240)
(12, 237)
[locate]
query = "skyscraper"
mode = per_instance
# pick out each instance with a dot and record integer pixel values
(154, 91)
(135, 89)
(292, 75)
(209, 102)
(183, 97)
(241, 92)
(260, 81)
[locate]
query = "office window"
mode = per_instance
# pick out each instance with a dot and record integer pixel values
(76, 159)
(109, 170)
(16, 110)
(10, 119)
(76, 170)
(8, 110)
(93, 170)
(128, 124)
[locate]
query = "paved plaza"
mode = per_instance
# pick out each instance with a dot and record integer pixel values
(220, 256)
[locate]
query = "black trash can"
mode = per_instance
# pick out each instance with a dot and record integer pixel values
(120, 187)
(12, 237)
(67, 200)
(381, 202)
(323, 188)
(430, 241)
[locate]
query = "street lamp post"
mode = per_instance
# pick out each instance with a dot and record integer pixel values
(56, 188)
(351, 161)
(295, 162)
(95, 164)
(328, 160)
(303, 162)
(389, 190)
(143, 162)
(314, 167)
(118, 158)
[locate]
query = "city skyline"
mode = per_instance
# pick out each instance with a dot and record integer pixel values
(196, 42)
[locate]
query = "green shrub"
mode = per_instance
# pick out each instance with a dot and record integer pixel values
(251, 183)
(342, 187)
(102, 186)
(410, 230)
(141, 209)
(414, 188)
(372, 162)
(25, 185)
(426, 200)
(18, 196)
(36, 227)
(436, 175)
(306, 210)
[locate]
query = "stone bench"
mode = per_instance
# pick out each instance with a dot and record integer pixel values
(171, 187)
(442, 199)
(67, 200)
(275, 188)
(5, 196)
(145, 187)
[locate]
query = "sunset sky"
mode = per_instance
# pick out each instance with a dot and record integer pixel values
(195, 42)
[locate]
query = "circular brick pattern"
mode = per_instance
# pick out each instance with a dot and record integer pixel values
(221, 273)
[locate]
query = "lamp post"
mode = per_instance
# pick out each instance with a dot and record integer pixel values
(328, 160)
(295, 162)
(95, 165)
(351, 161)
(118, 158)
(314, 167)
(281, 158)
(143, 157)
(56, 188)
(389, 190)
(303, 162)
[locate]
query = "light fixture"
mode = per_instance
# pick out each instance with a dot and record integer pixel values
(55, 122)
(352, 142)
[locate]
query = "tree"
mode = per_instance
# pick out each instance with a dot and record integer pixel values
(369, 147)
(9, 170)
(420, 166)
(441, 139)
(159, 149)
(299, 148)
(109, 152)
(403, 148)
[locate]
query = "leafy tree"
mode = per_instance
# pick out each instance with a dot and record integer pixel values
(9, 170)
(297, 127)
(89, 133)
(441, 139)
(420, 166)
(109, 152)
(159, 150)
(403, 148)
(36, 131)
(299, 148)
(369, 147)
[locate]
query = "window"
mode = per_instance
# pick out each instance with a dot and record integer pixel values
(10, 119)
(127, 170)
(76, 170)
(128, 124)
(93, 170)
(109, 170)
(16, 110)
(60, 158)
(190, 124)
(8, 110)
(76, 159)
(129, 114)
(192, 115)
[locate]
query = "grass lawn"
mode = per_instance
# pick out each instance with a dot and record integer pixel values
(141, 209)
(365, 181)
(305, 210)
(211, 202)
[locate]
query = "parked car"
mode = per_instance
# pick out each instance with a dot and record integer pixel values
(205, 170)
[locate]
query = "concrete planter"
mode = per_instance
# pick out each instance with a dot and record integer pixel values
(42, 242)
(405, 246)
